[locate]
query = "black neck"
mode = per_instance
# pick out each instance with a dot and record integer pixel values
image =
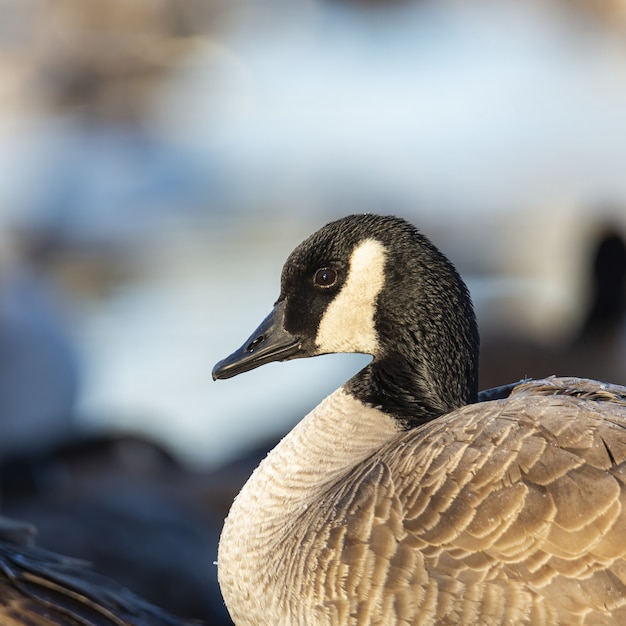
(405, 390)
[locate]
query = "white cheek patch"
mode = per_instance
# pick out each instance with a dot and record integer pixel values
(348, 323)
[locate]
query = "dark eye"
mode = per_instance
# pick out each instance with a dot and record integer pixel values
(325, 278)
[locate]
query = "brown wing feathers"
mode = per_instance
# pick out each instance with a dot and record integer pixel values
(515, 506)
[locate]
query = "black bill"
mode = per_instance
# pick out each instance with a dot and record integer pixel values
(269, 342)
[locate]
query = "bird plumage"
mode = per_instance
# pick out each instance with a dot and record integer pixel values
(402, 500)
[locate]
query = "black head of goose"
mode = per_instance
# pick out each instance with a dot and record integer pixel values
(400, 499)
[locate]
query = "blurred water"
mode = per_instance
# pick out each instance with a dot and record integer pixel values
(468, 105)
(499, 129)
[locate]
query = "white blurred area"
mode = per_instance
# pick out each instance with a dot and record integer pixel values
(160, 158)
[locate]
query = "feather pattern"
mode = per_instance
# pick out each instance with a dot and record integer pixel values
(504, 512)
(400, 499)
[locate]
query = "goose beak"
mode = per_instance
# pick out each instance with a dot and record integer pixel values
(269, 342)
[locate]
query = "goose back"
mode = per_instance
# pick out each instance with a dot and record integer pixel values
(502, 512)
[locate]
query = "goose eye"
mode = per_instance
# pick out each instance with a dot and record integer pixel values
(325, 278)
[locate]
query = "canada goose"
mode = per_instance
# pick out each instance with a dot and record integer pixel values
(608, 298)
(400, 499)
(596, 350)
(41, 588)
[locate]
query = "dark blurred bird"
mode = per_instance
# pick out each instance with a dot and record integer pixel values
(127, 507)
(608, 293)
(41, 588)
(597, 350)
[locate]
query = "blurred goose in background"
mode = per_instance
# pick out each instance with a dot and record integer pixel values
(41, 588)
(406, 497)
(598, 350)
(608, 298)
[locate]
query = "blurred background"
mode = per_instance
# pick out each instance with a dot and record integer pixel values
(159, 159)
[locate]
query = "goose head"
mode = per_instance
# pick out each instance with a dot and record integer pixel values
(373, 284)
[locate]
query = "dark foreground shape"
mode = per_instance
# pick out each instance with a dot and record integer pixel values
(41, 588)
